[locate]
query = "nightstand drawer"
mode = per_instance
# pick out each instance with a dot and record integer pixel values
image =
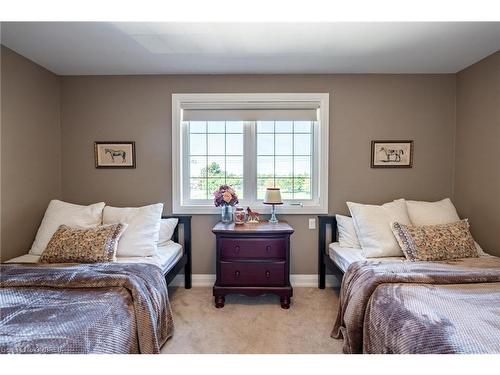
(252, 248)
(241, 273)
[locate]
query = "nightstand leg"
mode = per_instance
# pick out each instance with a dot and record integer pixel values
(285, 302)
(219, 301)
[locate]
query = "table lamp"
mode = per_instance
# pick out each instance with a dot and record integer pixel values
(273, 197)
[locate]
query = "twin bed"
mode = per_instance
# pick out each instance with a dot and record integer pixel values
(116, 307)
(389, 305)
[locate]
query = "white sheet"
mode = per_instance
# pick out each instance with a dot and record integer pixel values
(167, 257)
(344, 256)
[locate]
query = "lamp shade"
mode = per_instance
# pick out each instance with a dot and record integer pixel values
(273, 196)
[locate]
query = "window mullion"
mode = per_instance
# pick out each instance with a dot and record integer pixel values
(249, 162)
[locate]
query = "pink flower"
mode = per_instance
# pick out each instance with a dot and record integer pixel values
(227, 196)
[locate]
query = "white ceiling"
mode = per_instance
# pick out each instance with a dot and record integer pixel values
(88, 48)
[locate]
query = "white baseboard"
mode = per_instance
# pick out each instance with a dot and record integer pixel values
(297, 281)
(310, 281)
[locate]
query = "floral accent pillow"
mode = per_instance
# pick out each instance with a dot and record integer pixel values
(435, 242)
(75, 245)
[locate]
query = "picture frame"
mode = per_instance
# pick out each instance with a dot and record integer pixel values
(392, 154)
(114, 155)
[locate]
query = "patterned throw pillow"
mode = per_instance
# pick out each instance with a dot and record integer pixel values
(435, 242)
(75, 245)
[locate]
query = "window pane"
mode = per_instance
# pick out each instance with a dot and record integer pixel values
(216, 144)
(284, 144)
(284, 166)
(265, 144)
(216, 127)
(234, 166)
(283, 126)
(286, 186)
(234, 126)
(197, 126)
(234, 144)
(302, 126)
(302, 166)
(265, 166)
(197, 144)
(302, 144)
(284, 158)
(213, 185)
(265, 126)
(302, 188)
(216, 166)
(237, 185)
(198, 166)
(262, 185)
(198, 188)
(216, 157)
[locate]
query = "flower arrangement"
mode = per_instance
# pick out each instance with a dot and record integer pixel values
(225, 196)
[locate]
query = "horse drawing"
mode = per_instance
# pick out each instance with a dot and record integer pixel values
(392, 154)
(115, 153)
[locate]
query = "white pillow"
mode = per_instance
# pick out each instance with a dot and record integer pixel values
(61, 213)
(167, 228)
(432, 213)
(143, 231)
(347, 232)
(372, 225)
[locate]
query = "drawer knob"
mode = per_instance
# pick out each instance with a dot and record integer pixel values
(237, 274)
(236, 249)
(268, 274)
(268, 248)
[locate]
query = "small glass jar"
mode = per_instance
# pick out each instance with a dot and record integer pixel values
(240, 215)
(227, 213)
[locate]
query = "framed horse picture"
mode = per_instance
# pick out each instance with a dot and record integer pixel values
(392, 154)
(114, 154)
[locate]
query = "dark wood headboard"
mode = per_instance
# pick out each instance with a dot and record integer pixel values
(323, 256)
(186, 260)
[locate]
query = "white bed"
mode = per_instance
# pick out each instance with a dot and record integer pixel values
(344, 256)
(168, 255)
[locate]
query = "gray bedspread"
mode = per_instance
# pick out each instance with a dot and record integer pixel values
(421, 307)
(83, 308)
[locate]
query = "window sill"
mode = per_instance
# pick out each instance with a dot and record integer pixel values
(262, 209)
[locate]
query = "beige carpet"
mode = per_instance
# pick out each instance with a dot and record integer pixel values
(253, 324)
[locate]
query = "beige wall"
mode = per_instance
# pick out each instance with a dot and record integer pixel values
(477, 166)
(30, 149)
(362, 108)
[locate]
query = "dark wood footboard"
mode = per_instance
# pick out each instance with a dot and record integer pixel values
(324, 259)
(185, 261)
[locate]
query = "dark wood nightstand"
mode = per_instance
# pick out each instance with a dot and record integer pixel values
(253, 259)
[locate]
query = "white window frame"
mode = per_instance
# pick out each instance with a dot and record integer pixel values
(317, 205)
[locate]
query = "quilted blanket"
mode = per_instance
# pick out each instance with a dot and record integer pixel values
(83, 308)
(421, 307)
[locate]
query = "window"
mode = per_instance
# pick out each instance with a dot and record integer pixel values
(284, 158)
(215, 157)
(251, 142)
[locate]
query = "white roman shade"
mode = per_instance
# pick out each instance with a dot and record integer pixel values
(250, 111)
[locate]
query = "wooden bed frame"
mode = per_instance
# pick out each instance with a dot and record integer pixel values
(324, 259)
(185, 261)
